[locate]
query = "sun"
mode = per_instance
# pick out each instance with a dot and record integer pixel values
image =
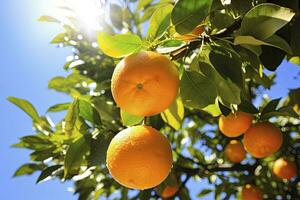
(90, 14)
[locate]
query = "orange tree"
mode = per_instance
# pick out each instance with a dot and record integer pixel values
(217, 55)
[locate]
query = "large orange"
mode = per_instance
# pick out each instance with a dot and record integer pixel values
(284, 168)
(235, 124)
(251, 192)
(145, 83)
(262, 139)
(192, 35)
(235, 151)
(139, 157)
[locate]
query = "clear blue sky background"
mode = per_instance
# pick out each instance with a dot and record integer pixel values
(27, 62)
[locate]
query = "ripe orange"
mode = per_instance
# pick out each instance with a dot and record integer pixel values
(235, 151)
(251, 192)
(262, 139)
(284, 168)
(192, 35)
(145, 83)
(169, 191)
(139, 157)
(235, 124)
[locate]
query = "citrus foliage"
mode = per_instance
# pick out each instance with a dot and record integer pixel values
(221, 68)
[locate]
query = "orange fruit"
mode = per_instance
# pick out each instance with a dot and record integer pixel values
(251, 192)
(145, 83)
(192, 35)
(139, 157)
(284, 168)
(262, 139)
(235, 151)
(235, 124)
(169, 191)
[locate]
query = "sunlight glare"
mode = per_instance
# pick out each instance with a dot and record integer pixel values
(89, 13)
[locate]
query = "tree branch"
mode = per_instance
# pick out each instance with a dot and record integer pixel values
(186, 49)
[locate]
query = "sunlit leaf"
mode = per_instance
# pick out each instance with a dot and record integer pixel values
(130, 120)
(26, 106)
(174, 114)
(119, 45)
(159, 22)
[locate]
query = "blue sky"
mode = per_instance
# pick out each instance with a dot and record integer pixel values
(28, 61)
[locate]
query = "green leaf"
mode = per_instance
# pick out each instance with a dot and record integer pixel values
(204, 192)
(221, 20)
(271, 106)
(44, 154)
(119, 45)
(197, 91)
(46, 18)
(129, 119)
(295, 60)
(106, 109)
(174, 114)
(58, 38)
(227, 63)
(286, 111)
(226, 89)
(88, 112)
(274, 41)
(159, 22)
(75, 154)
(271, 57)
(187, 15)
(27, 169)
(264, 20)
(99, 146)
(213, 109)
(116, 16)
(36, 142)
(47, 173)
(59, 107)
(142, 4)
(248, 107)
(71, 117)
(26, 106)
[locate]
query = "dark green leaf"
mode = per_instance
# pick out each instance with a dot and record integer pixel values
(186, 15)
(99, 147)
(197, 91)
(274, 41)
(227, 63)
(47, 173)
(75, 154)
(204, 192)
(88, 112)
(271, 57)
(271, 106)
(267, 18)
